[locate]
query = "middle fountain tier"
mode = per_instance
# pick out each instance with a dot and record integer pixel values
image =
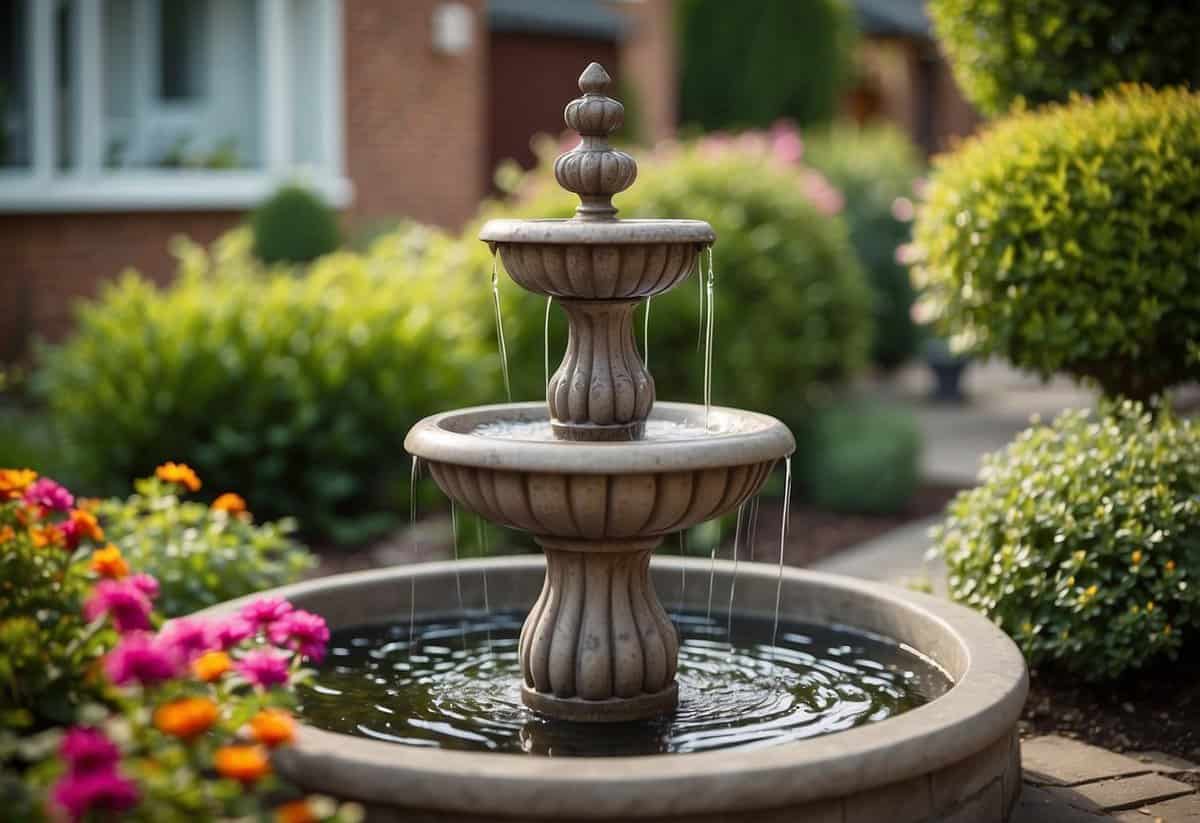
(599, 473)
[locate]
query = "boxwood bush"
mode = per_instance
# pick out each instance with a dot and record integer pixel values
(1043, 50)
(793, 308)
(1083, 540)
(294, 225)
(1069, 239)
(875, 168)
(295, 391)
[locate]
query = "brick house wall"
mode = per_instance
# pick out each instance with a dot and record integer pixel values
(649, 63)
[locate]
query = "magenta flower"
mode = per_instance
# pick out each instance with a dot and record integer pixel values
(186, 637)
(264, 611)
(264, 668)
(88, 750)
(49, 495)
(225, 633)
(80, 794)
(125, 603)
(301, 631)
(142, 658)
(146, 584)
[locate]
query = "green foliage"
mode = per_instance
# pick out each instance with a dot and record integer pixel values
(200, 555)
(296, 391)
(1083, 541)
(783, 60)
(1003, 51)
(862, 459)
(792, 305)
(874, 169)
(1069, 239)
(294, 226)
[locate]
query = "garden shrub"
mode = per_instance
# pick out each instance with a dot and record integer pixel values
(1068, 239)
(296, 391)
(200, 554)
(1045, 50)
(792, 304)
(1083, 540)
(875, 168)
(784, 60)
(294, 225)
(861, 459)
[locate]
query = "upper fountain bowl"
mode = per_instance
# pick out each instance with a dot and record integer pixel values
(503, 463)
(598, 260)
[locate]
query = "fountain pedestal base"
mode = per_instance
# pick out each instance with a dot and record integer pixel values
(598, 646)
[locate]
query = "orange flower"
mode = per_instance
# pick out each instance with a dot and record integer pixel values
(187, 717)
(298, 811)
(273, 727)
(211, 665)
(108, 562)
(244, 763)
(1170, 566)
(13, 482)
(86, 525)
(229, 502)
(180, 474)
(7, 534)
(44, 536)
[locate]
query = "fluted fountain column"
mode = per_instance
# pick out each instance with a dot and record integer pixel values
(598, 645)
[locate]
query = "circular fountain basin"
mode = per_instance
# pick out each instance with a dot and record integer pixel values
(954, 758)
(503, 463)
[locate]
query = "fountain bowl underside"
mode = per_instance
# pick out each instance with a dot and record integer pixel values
(955, 758)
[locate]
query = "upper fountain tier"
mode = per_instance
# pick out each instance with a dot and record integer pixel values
(598, 268)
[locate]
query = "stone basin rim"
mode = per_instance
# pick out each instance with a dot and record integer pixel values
(445, 438)
(983, 706)
(571, 231)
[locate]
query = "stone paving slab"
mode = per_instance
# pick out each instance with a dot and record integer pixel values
(1163, 762)
(1060, 761)
(1123, 792)
(1038, 805)
(1180, 810)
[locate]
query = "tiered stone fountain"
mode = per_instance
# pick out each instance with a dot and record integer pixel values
(598, 474)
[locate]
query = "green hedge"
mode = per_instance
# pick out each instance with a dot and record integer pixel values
(1083, 540)
(1045, 50)
(1068, 240)
(792, 305)
(295, 391)
(294, 225)
(875, 169)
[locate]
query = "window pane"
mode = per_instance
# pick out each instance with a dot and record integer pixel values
(15, 116)
(182, 39)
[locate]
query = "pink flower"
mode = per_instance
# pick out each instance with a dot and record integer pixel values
(88, 750)
(79, 794)
(822, 194)
(146, 584)
(140, 657)
(225, 633)
(186, 637)
(301, 631)
(264, 668)
(786, 144)
(49, 495)
(264, 611)
(125, 603)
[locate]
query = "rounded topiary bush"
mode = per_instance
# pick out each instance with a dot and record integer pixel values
(1083, 540)
(874, 169)
(793, 308)
(1067, 240)
(1044, 50)
(296, 391)
(294, 225)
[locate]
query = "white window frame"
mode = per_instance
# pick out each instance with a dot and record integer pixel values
(89, 186)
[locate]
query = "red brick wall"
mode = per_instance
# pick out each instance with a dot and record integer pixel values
(649, 63)
(415, 120)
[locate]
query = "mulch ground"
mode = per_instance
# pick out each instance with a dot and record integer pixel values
(1154, 710)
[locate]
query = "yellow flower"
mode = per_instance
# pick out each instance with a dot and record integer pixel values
(108, 562)
(1136, 557)
(1170, 566)
(273, 727)
(229, 502)
(211, 665)
(186, 718)
(1091, 590)
(1150, 606)
(298, 811)
(1167, 630)
(178, 473)
(13, 482)
(244, 763)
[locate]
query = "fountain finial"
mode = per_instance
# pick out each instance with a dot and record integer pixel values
(593, 169)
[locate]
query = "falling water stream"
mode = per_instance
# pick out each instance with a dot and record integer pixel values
(500, 324)
(546, 348)
(646, 335)
(481, 535)
(737, 537)
(709, 321)
(462, 611)
(783, 526)
(412, 512)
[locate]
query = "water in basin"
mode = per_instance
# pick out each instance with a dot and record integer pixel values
(656, 430)
(459, 688)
